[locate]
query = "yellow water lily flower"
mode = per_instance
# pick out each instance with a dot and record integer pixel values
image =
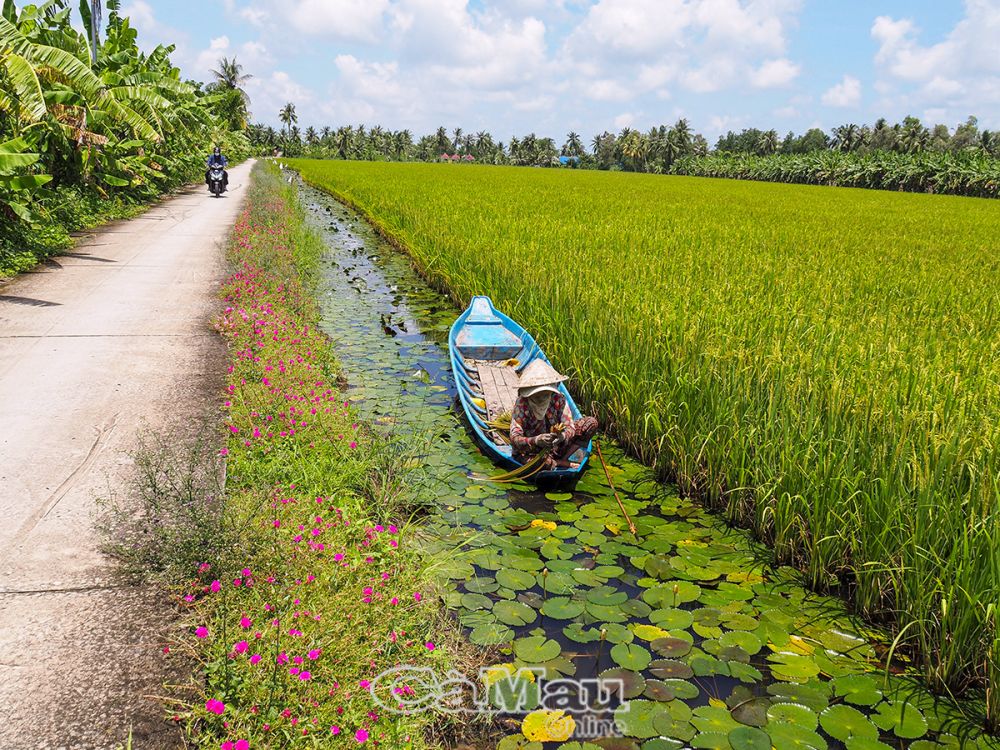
(548, 726)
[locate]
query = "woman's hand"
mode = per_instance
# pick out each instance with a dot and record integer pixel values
(546, 440)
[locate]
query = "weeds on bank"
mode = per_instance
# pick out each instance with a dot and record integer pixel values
(317, 586)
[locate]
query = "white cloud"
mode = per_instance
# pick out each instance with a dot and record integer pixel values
(345, 20)
(703, 46)
(774, 73)
(953, 77)
(624, 120)
(847, 93)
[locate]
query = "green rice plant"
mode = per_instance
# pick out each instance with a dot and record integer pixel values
(821, 365)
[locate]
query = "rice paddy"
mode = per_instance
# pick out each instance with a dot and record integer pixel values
(821, 365)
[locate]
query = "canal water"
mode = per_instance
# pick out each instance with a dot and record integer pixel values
(703, 644)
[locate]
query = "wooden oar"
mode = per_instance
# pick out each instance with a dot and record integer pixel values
(631, 526)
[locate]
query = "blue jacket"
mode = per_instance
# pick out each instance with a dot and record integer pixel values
(220, 158)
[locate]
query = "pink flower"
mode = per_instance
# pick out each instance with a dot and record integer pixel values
(227, 745)
(429, 645)
(215, 706)
(355, 445)
(242, 745)
(305, 675)
(245, 622)
(361, 735)
(215, 586)
(255, 658)
(241, 647)
(417, 596)
(334, 729)
(201, 632)
(314, 654)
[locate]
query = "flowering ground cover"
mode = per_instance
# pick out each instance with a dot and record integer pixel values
(324, 588)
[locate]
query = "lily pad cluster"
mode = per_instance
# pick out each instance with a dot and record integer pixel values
(705, 646)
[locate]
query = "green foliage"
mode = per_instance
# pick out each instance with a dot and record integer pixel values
(971, 173)
(124, 127)
(819, 364)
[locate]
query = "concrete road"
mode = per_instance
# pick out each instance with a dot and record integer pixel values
(96, 346)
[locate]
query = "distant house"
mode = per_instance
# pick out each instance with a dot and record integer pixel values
(569, 160)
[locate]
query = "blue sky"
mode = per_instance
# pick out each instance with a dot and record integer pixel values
(588, 65)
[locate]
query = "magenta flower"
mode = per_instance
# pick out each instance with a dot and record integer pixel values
(201, 632)
(241, 647)
(215, 706)
(242, 745)
(334, 729)
(245, 622)
(305, 675)
(216, 586)
(429, 645)
(255, 658)
(361, 735)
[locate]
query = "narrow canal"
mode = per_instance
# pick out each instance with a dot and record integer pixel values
(711, 648)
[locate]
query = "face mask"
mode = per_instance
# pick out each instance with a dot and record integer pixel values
(539, 404)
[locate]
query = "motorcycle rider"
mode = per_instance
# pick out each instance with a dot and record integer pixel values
(217, 159)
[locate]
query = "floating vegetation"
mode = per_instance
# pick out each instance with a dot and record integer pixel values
(703, 644)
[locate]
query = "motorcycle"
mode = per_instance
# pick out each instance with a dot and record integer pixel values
(217, 181)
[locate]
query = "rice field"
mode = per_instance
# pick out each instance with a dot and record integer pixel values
(821, 365)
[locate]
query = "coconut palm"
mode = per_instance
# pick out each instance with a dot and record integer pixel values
(573, 145)
(288, 117)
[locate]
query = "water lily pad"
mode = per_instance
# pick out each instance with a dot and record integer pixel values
(902, 719)
(476, 601)
(792, 737)
(670, 647)
(577, 632)
(711, 741)
(516, 580)
(631, 656)
(841, 722)
(749, 738)
(863, 743)
(617, 633)
(558, 496)
(623, 682)
(616, 743)
(749, 642)
(671, 669)
(515, 694)
(649, 632)
(662, 743)
(514, 613)
(636, 608)
(606, 613)
(635, 718)
(713, 719)
(491, 634)
(562, 608)
(793, 667)
(814, 695)
(793, 713)
(752, 712)
(556, 583)
(671, 619)
(518, 742)
(672, 594)
(536, 649)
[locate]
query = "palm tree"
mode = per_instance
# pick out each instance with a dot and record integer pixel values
(457, 132)
(573, 145)
(768, 142)
(287, 116)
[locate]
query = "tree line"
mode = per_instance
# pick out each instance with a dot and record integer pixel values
(903, 156)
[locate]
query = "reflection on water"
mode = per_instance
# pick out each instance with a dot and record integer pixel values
(709, 640)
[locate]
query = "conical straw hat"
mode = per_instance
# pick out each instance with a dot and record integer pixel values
(539, 375)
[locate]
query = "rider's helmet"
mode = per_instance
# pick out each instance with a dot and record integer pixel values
(217, 151)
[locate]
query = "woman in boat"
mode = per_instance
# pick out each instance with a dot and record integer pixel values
(542, 420)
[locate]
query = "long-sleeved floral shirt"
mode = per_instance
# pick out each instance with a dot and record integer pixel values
(524, 426)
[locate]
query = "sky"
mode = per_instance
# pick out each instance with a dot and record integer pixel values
(518, 66)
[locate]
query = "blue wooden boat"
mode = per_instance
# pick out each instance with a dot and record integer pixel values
(488, 351)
